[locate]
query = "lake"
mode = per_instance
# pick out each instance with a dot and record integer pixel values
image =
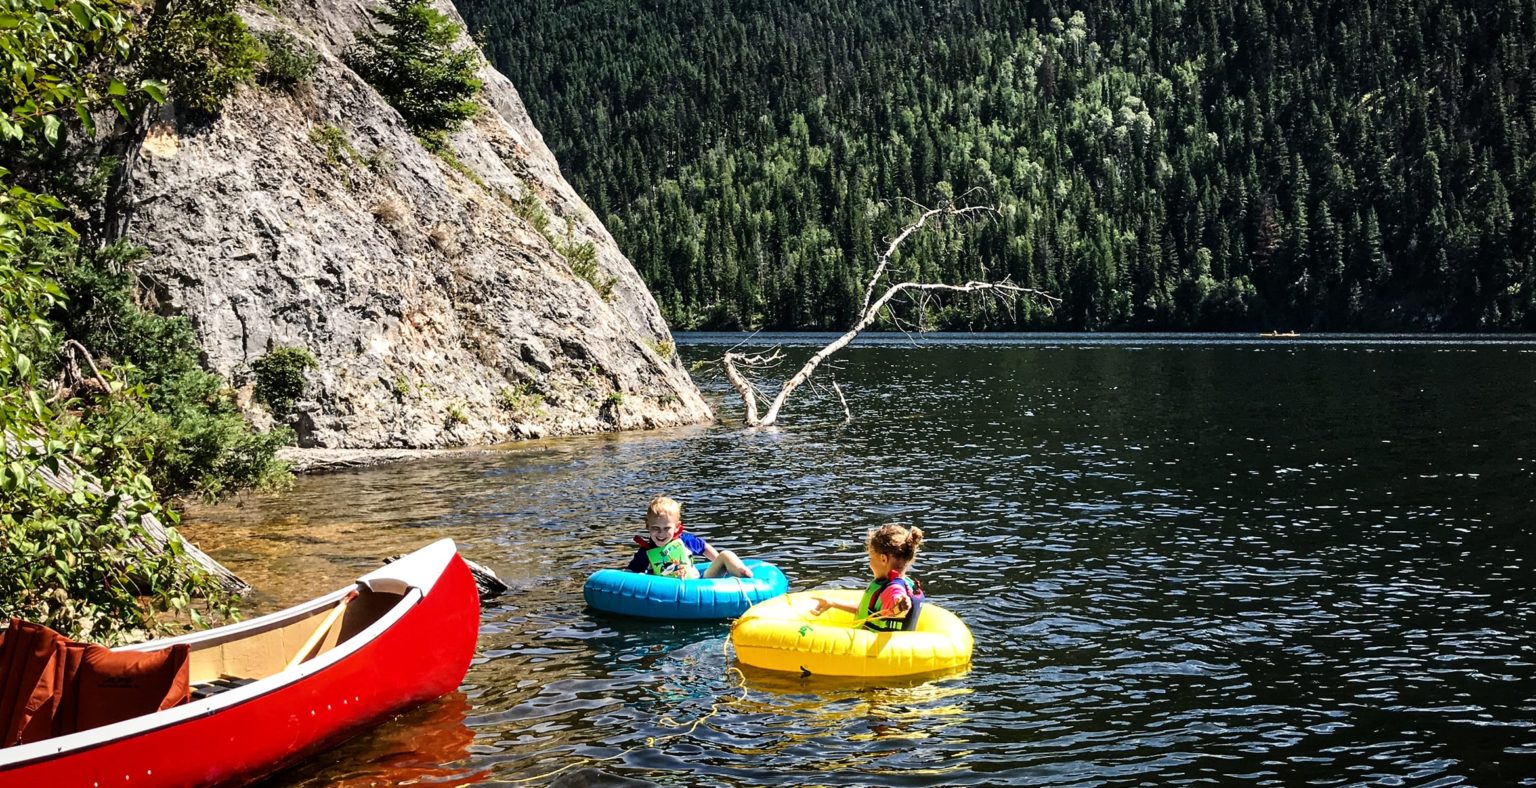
(1184, 558)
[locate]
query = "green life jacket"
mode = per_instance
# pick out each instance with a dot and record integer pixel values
(867, 609)
(672, 560)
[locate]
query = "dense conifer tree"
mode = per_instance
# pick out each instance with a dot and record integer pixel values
(1222, 164)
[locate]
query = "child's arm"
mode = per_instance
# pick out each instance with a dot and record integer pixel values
(823, 605)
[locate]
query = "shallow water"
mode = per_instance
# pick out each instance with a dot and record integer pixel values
(1184, 559)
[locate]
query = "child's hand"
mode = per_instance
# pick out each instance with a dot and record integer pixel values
(822, 606)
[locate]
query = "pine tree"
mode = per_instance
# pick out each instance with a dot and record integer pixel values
(416, 67)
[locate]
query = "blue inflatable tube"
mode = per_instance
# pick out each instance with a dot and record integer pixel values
(670, 599)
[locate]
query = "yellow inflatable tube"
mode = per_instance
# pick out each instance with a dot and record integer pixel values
(781, 634)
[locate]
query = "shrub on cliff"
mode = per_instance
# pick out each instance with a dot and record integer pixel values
(416, 67)
(288, 61)
(280, 378)
(201, 49)
(186, 418)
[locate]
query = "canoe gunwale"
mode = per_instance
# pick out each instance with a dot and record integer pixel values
(411, 577)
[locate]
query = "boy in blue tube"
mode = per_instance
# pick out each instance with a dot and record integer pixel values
(669, 550)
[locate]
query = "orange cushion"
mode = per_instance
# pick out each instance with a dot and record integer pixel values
(31, 681)
(112, 686)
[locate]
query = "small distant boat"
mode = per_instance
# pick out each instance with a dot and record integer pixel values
(1279, 334)
(269, 691)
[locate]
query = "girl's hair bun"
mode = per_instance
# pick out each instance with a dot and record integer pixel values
(896, 541)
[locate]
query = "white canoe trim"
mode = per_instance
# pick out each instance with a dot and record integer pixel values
(413, 576)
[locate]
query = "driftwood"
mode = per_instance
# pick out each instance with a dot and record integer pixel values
(733, 362)
(152, 534)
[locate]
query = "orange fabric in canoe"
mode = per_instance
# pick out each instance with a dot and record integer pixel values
(52, 686)
(112, 686)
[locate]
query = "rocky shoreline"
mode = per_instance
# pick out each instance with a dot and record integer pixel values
(317, 460)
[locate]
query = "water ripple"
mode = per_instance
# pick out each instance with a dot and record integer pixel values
(1187, 560)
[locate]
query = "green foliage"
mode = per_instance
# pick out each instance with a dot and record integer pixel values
(338, 149)
(67, 563)
(1352, 165)
(436, 143)
(531, 209)
(333, 141)
(280, 378)
(186, 418)
(201, 50)
(663, 348)
(288, 62)
(521, 398)
(66, 560)
(415, 66)
(457, 415)
(55, 56)
(581, 256)
(614, 399)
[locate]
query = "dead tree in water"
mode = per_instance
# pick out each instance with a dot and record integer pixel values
(733, 362)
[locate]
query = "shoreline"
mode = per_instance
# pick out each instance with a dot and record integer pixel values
(317, 460)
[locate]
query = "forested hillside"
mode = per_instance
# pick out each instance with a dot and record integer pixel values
(1213, 164)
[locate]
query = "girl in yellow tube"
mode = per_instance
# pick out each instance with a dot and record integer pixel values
(892, 602)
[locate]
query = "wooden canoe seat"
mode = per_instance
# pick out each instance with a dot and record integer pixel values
(219, 685)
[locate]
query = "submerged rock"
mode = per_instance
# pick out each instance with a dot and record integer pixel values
(428, 287)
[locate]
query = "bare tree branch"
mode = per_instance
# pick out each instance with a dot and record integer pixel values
(847, 414)
(748, 394)
(71, 381)
(890, 251)
(733, 361)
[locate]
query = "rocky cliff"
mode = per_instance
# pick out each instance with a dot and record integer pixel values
(429, 287)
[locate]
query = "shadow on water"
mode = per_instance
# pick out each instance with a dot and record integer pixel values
(1205, 560)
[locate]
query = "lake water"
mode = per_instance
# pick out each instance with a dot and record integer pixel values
(1184, 558)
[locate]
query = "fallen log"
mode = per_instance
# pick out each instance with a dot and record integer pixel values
(152, 534)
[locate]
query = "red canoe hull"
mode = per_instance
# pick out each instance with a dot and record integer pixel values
(422, 656)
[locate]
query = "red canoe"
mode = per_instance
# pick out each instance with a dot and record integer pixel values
(271, 690)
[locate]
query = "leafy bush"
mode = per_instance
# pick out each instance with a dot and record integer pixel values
(338, 149)
(532, 210)
(280, 378)
(202, 50)
(288, 60)
(141, 419)
(664, 348)
(186, 419)
(582, 258)
(415, 66)
(519, 398)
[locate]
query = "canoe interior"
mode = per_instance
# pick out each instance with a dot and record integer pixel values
(251, 655)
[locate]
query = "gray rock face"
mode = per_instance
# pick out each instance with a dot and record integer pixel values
(440, 314)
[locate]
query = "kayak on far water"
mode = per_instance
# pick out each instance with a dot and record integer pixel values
(237, 702)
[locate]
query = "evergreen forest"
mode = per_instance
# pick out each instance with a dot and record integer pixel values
(1157, 164)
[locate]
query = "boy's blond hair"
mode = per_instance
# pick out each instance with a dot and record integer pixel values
(662, 506)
